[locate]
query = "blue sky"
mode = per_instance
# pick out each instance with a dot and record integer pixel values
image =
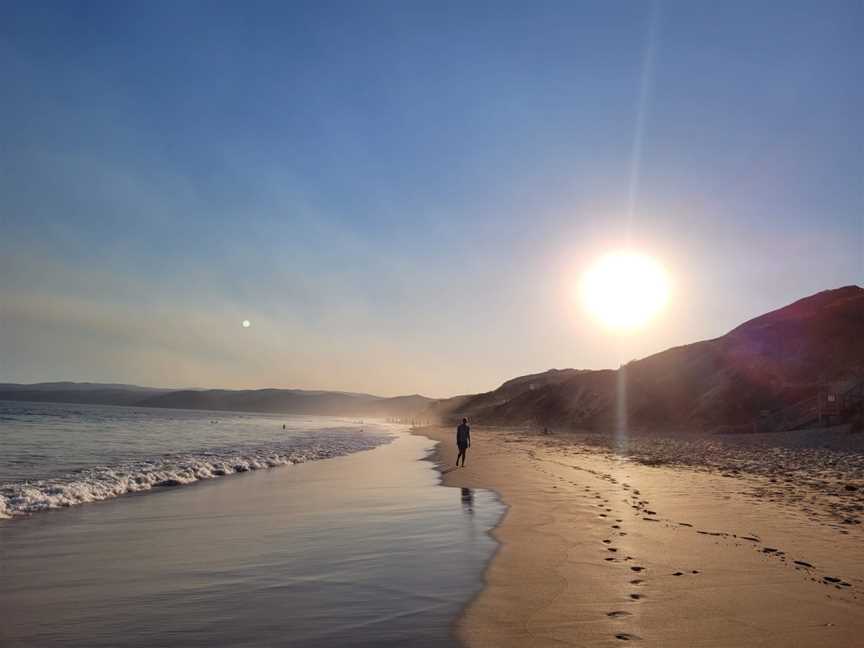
(401, 195)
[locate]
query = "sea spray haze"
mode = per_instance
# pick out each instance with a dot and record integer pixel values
(56, 455)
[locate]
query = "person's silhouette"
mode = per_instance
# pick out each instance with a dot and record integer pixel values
(463, 440)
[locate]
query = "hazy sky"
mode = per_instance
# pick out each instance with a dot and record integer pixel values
(401, 196)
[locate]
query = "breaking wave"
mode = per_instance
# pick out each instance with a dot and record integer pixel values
(105, 482)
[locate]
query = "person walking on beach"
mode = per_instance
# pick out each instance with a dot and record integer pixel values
(463, 440)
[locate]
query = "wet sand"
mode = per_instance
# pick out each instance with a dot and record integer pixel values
(598, 550)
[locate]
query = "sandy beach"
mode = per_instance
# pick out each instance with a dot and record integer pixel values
(747, 546)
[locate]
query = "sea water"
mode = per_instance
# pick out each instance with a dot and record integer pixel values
(56, 455)
(361, 549)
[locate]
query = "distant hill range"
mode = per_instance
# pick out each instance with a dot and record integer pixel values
(771, 369)
(285, 401)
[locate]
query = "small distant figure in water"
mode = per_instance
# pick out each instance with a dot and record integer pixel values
(463, 440)
(283, 426)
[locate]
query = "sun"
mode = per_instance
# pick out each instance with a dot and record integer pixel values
(625, 290)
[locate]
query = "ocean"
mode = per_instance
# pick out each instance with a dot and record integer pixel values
(56, 455)
(137, 527)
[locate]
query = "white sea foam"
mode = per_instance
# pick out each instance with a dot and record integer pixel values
(105, 482)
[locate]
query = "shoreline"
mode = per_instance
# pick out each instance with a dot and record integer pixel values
(595, 549)
(435, 456)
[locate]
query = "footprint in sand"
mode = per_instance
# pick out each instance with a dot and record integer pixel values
(617, 614)
(612, 549)
(615, 526)
(678, 574)
(637, 569)
(636, 581)
(635, 597)
(626, 636)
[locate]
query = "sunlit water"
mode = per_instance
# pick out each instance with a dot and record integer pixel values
(364, 549)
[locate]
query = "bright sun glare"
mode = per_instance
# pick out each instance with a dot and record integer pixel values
(624, 290)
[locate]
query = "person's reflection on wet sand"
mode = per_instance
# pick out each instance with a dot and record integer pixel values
(468, 501)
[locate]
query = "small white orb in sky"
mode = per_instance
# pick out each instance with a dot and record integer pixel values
(625, 290)
(246, 323)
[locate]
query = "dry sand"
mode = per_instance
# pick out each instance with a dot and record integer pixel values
(597, 549)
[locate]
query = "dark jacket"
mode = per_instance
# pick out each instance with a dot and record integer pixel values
(463, 436)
